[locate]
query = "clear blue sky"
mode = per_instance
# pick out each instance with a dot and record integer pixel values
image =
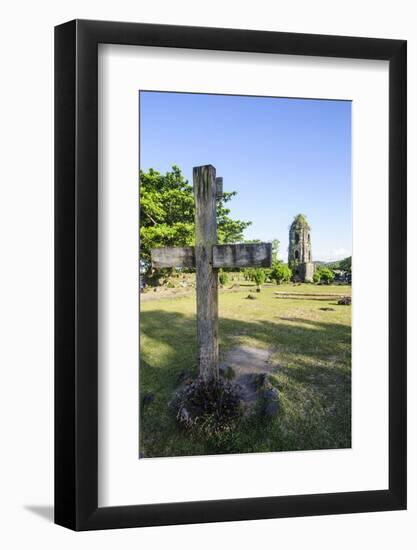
(282, 156)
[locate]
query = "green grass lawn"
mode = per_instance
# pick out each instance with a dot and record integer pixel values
(311, 349)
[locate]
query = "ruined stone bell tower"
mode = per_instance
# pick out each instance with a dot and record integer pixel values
(299, 250)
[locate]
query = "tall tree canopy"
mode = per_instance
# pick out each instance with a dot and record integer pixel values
(275, 250)
(167, 213)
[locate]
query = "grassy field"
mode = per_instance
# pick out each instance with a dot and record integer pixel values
(311, 350)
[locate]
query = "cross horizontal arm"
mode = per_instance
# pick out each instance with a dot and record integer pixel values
(242, 255)
(224, 255)
(183, 256)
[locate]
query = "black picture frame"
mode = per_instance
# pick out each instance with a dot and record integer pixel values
(76, 272)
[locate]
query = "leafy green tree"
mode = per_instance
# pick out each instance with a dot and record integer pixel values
(167, 214)
(323, 275)
(346, 264)
(281, 273)
(275, 250)
(258, 277)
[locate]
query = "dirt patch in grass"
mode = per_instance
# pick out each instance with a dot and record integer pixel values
(247, 361)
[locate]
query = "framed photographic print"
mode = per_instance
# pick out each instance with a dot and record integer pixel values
(230, 275)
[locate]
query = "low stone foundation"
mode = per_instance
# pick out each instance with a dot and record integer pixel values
(306, 272)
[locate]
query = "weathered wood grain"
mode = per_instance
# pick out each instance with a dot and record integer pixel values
(242, 255)
(173, 257)
(205, 191)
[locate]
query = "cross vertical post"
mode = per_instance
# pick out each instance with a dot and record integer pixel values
(205, 193)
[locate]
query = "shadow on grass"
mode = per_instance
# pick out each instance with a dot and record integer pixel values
(312, 375)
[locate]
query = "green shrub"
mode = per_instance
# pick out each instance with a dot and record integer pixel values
(281, 273)
(223, 278)
(323, 275)
(258, 276)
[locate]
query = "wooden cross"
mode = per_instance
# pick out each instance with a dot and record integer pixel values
(207, 257)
